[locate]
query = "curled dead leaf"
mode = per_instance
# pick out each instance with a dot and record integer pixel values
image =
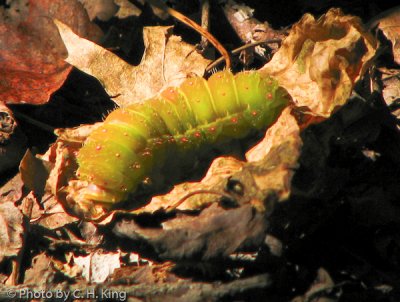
(214, 181)
(320, 60)
(286, 126)
(41, 174)
(216, 232)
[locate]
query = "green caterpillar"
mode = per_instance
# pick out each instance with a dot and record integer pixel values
(118, 155)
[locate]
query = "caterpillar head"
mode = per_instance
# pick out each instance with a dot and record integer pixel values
(90, 201)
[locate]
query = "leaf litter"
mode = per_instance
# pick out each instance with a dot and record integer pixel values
(31, 51)
(283, 190)
(129, 84)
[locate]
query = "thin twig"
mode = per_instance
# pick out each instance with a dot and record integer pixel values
(205, 17)
(239, 49)
(196, 27)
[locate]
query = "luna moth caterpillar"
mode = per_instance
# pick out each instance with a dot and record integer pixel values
(119, 154)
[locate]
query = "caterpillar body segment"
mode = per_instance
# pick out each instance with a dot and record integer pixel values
(132, 141)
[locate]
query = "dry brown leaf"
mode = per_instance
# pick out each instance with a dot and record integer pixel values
(64, 167)
(30, 206)
(60, 162)
(274, 171)
(320, 60)
(167, 60)
(37, 178)
(286, 126)
(391, 87)
(33, 173)
(219, 171)
(61, 156)
(68, 267)
(53, 215)
(389, 23)
(126, 9)
(319, 290)
(158, 273)
(41, 270)
(44, 269)
(77, 134)
(11, 230)
(46, 212)
(391, 92)
(97, 266)
(31, 50)
(250, 30)
(12, 190)
(215, 232)
(89, 231)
